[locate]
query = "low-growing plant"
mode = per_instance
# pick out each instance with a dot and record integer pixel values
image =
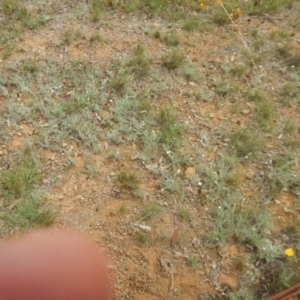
(173, 60)
(245, 142)
(70, 35)
(172, 184)
(17, 181)
(6, 53)
(191, 24)
(257, 47)
(26, 214)
(223, 225)
(128, 180)
(246, 224)
(242, 293)
(284, 180)
(233, 179)
(157, 34)
(258, 7)
(264, 112)
(114, 155)
(254, 32)
(96, 9)
(167, 10)
(292, 142)
(150, 144)
(34, 22)
(184, 215)
(222, 87)
(255, 94)
(8, 7)
(240, 264)
(171, 132)
(141, 238)
(252, 224)
(171, 38)
(139, 63)
(76, 103)
(30, 66)
(279, 35)
(96, 38)
(139, 193)
(291, 90)
(220, 17)
(16, 11)
(150, 210)
(191, 73)
(157, 5)
(291, 233)
(79, 129)
(290, 127)
(90, 169)
(278, 275)
(283, 162)
(193, 261)
(123, 210)
(290, 52)
(119, 83)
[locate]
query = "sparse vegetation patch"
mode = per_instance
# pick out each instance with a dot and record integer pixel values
(166, 130)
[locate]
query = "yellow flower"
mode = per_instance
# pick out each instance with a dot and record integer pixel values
(289, 252)
(200, 4)
(236, 13)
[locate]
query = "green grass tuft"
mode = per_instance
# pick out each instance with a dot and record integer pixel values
(258, 7)
(150, 210)
(96, 9)
(139, 63)
(26, 214)
(245, 142)
(128, 180)
(171, 132)
(171, 38)
(17, 181)
(173, 60)
(141, 238)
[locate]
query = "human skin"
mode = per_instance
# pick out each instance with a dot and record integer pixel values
(53, 265)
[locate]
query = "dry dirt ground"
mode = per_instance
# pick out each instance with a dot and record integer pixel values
(82, 187)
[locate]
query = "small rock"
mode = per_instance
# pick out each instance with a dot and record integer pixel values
(190, 173)
(143, 227)
(196, 242)
(165, 263)
(245, 111)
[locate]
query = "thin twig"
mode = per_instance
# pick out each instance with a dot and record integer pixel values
(240, 34)
(287, 294)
